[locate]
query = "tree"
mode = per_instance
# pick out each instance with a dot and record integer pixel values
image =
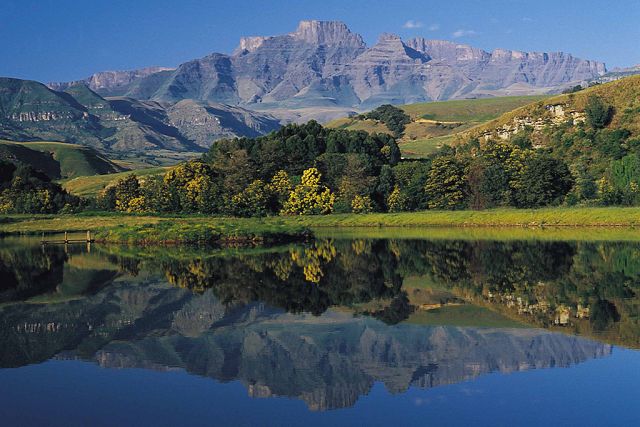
(128, 194)
(361, 204)
(397, 201)
(446, 186)
(190, 187)
(394, 117)
(280, 187)
(253, 201)
(310, 197)
(598, 113)
(543, 181)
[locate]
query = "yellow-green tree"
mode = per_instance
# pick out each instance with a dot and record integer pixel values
(191, 188)
(252, 201)
(309, 197)
(128, 195)
(361, 204)
(280, 187)
(397, 201)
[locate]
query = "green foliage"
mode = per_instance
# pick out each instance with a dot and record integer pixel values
(397, 201)
(252, 201)
(393, 117)
(598, 113)
(361, 204)
(543, 181)
(446, 186)
(26, 190)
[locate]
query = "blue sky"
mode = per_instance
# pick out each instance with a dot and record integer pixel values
(61, 40)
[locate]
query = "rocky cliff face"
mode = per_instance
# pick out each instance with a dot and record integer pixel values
(111, 82)
(322, 63)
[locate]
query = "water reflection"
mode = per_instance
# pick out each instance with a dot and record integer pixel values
(322, 322)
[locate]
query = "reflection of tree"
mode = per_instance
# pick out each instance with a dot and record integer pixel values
(27, 271)
(310, 278)
(592, 287)
(311, 258)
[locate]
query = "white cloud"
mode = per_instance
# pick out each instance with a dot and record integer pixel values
(527, 19)
(434, 27)
(412, 24)
(463, 33)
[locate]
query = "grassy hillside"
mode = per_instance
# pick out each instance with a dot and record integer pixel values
(93, 185)
(57, 159)
(435, 124)
(623, 95)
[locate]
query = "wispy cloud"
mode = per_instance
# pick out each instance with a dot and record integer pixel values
(434, 27)
(412, 24)
(463, 33)
(527, 19)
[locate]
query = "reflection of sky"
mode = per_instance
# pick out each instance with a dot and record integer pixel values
(597, 392)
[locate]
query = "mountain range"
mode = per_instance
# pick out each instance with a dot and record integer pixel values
(320, 71)
(322, 63)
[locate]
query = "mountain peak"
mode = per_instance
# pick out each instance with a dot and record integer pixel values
(389, 37)
(326, 33)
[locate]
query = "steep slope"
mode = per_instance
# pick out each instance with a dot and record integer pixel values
(508, 69)
(324, 64)
(111, 83)
(204, 122)
(31, 111)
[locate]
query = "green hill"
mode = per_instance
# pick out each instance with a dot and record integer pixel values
(58, 160)
(434, 124)
(93, 185)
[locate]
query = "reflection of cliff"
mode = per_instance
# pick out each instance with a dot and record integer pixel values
(328, 361)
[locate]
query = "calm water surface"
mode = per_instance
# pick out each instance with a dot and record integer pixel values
(337, 331)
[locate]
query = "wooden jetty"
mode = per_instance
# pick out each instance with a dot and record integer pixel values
(66, 240)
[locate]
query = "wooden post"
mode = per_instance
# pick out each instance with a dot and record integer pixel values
(88, 236)
(43, 241)
(66, 238)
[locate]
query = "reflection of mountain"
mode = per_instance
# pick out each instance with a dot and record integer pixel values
(331, 361)
(328, 361)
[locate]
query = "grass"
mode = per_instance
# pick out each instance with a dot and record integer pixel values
(437, 123)
(420, 148)
(145, 229)
(93, 185)
(550, 223)
(469, 110)
(73, 160)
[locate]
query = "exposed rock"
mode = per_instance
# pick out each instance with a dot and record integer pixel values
(322, 63)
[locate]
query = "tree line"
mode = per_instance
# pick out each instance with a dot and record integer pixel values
(309, 169)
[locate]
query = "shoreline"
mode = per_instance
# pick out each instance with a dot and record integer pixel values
(154, 229)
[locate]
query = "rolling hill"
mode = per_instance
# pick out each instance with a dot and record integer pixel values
(434, 124)
(57, 159)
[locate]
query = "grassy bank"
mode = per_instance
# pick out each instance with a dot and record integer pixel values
(131, 229)
(510, 223)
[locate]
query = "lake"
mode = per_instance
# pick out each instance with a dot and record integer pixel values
(430, 328)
